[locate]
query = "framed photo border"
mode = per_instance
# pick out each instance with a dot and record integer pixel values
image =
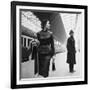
(13, 44)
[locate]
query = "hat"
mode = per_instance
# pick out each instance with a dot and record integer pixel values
(71, 31)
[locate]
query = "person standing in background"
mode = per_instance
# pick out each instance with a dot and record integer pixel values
(34, 56)
(71, 51)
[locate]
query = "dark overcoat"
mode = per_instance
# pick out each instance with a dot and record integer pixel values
(25, 53)
(71, 51)
(34, 55)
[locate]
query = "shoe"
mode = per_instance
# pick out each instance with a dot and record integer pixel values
(36, 75)
(72, 71)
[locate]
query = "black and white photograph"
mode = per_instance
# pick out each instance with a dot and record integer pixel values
(50, 44)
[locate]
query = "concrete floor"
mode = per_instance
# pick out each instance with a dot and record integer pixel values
(62, 68)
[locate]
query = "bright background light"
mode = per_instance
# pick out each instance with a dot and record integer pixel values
(30, 21)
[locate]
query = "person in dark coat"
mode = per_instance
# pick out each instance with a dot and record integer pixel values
(45, 50)
(34, 56)
(71, 52)
(25, 53)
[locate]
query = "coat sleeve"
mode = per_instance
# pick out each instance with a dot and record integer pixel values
(68, 45)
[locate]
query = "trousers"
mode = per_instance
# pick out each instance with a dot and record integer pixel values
(71, 67)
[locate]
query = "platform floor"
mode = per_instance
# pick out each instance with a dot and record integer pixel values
(62, 68)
